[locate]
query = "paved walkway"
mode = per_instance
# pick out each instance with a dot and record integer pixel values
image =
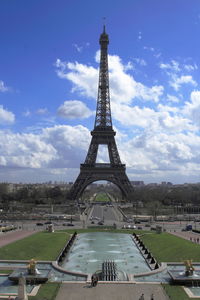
(187, 235)
(116, 291)
(12, 236)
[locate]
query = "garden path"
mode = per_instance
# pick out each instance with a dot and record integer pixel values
(12, 236)
(116, 291)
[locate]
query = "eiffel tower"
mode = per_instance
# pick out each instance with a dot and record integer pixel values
(102, 134)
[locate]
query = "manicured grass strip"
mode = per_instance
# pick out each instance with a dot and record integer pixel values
(47, 291)
(102, 197)
(176, 292)
(44, 245)
(6, 271)
(40, 246)
(103, 229)
(169, 248)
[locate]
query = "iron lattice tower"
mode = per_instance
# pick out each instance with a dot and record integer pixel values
(102, 134)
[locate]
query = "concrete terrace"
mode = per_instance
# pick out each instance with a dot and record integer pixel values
(108, 291)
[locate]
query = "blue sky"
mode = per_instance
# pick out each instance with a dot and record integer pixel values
(49, 54)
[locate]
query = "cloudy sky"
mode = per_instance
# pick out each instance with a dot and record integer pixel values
(49, 59)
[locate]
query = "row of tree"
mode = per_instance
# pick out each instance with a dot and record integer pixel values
(180, 195)
(41, 194)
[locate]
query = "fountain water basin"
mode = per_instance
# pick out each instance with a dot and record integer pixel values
(90, 250)
(189, 276)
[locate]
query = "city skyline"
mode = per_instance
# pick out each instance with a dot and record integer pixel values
(49, 82)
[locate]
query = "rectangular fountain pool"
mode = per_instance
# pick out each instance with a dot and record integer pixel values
(7, 286)
(91, 249)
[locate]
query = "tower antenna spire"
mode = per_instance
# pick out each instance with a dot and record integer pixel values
(104, 24)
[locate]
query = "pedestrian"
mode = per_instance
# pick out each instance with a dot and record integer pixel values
(94, 280)
(152, 297)
(141, 297)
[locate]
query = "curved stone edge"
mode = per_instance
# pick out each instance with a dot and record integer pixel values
(19, 262)
(182, 263)
(159, 270)
(57, 267)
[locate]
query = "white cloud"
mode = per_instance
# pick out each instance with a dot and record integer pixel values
(25, 150)
(177, 82)
(164, 135)
(123, 87)
(128, 66)
(151, 153)
(84, 78)
(78, 48)
(175, 67)
(3, 87)
(81, 48)
(165, 119)
(6, 117)
(192, 107)
(73, 109)
(154, 140)
(27, 113)
(71, 144)
(150, 94)
(149, 48)
(159, 154)
(140, 61)
(167, 108)
(56, 147)
(190, 68)
(42, 111)
(133, 116)
(172, 98)
(172, 66)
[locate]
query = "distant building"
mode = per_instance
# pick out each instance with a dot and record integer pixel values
(153, 184)
(166, 183)
(137, 183)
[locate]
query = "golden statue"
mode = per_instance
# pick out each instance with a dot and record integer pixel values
(32, 267)
(189, 268)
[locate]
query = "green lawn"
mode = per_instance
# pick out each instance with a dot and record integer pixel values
(176, 292)
(102, 197)
(6, 271)
(40, 246)
(169, 248)
(103, 229)
(47, 291)
(46, 246)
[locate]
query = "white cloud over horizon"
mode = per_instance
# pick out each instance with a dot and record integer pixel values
(6, 117)
(53, 146)
(74, 109)
(158, 132)
(65, 147)
(123, 87)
